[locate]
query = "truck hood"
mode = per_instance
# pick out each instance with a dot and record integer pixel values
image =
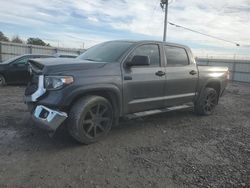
(58, 65)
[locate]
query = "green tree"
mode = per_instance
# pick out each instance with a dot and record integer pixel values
(37, 41)
(3, 37)
(16, 39)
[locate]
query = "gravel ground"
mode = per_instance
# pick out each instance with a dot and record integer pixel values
(176, 149)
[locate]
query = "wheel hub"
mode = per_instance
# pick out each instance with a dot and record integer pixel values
(210, 102)
(96, 120)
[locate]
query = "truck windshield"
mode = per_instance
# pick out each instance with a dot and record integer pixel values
(106, 52)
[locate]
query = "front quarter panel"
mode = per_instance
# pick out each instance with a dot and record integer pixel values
(107, 77)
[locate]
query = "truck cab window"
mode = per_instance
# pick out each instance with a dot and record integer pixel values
(176, 56)
(150, 50)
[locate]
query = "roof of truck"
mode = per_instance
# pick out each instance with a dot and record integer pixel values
(149, 41)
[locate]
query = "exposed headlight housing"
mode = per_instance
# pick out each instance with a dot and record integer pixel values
(57, 82)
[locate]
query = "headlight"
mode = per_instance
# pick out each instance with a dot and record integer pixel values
(57, 82)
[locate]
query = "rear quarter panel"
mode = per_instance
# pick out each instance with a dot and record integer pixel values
(208, 74)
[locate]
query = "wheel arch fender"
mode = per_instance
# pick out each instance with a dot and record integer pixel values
(212, 83)
(108, 91)
(4, 76)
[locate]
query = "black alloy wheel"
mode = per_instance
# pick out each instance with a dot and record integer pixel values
(97, 120)
(210, 102)
(90, 119)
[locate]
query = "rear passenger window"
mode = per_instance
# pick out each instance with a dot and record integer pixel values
(176, 56)
(150, 50)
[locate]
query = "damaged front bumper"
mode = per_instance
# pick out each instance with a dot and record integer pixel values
(47, 118)
(43, 116)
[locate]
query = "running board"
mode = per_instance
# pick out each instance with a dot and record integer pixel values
(157, 111)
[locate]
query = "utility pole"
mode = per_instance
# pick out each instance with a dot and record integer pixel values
(164, 5)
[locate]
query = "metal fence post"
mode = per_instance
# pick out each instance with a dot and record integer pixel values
(30, 47)
(1, 59)
(234, 67)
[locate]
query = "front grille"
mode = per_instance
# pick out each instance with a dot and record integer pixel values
(32, 86)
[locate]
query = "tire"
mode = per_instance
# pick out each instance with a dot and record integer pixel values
(207, 101)
(2, 81)
(90, 119)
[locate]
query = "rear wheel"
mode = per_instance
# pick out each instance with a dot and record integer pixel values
(90, 119)
(2, 80)
(206, 102)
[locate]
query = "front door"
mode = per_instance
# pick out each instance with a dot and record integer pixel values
(143, 86)
(18, 71)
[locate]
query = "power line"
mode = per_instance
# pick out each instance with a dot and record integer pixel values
(211, 36)
(164, 5)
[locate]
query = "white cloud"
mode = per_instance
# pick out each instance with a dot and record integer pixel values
(93, 19)
(227, 19)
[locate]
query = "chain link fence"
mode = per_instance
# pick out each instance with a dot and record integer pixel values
(9, 50)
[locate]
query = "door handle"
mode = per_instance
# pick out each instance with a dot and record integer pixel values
(193, 72)
(160, 73)
(127, 77)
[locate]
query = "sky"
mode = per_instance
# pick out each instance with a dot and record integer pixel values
(78, 23)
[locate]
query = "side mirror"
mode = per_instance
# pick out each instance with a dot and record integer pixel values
(139, 60)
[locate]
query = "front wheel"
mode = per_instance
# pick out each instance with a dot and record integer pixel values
(90, 119)
(2, 80)
(207, 101)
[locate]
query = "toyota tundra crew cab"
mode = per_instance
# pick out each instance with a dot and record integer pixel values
(119, 79)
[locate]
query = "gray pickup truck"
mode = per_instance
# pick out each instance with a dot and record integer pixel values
(119, 79)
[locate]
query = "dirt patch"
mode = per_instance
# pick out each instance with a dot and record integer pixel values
(176, 149)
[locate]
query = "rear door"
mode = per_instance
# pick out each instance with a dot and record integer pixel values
(181, 76)
(143, 86)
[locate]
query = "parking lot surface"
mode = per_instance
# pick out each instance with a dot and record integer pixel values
(175, 149)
